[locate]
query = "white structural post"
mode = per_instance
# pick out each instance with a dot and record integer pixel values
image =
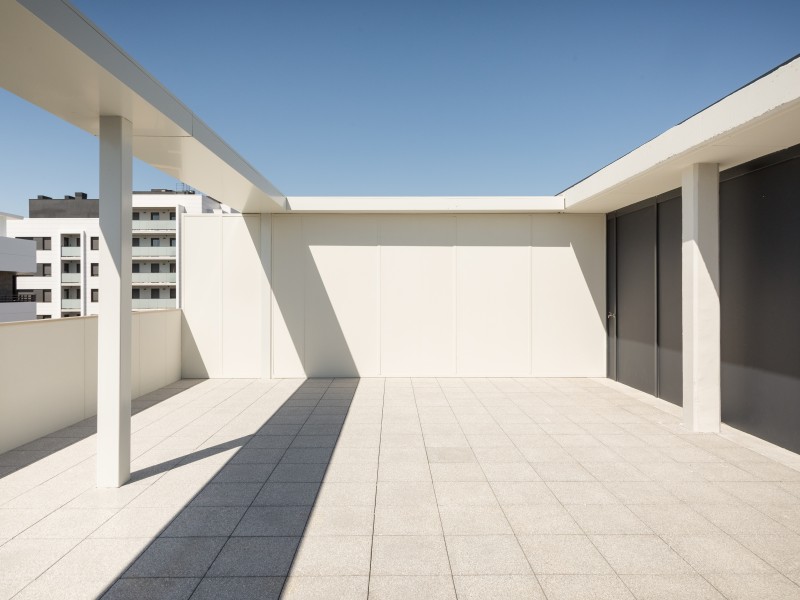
(700, 285)
(114, 321)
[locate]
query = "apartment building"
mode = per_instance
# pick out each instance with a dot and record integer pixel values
(66, 233)
(16, 256)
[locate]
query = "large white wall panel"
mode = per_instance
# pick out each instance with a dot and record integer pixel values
(341, 295)
(201, 279)
(418, 295)
(569, 308)
(493, 273)
(241, 297)
(288, 296)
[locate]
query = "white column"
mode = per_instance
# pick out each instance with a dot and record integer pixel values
(700, 281)
(114, 321)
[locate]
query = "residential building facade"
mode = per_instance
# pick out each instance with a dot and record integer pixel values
(16, 256)
(66, 234)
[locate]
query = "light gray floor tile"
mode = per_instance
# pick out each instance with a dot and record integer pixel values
(346, 494)
(674, 519)
(333, 556)
(205, 521)
(534, 519)
(177, 557)
(340, 520)
(421, 519)
(755, 587)
(740, 519)
(404, 471)
(606, 518)
(241, 588)
(464, 493)
(287, 494)
(227, 494)
(393, 587)
(69, 523)
(574, 587)
(489, 587)
(671, 587)
(510, 472)
(451, 455)
(393, 493)
(717, 554)
(581, 492)
(520, 492)
(457, 472)
(409, 555)
(563, 555)
(640, 555)
(486, 555)
(352, 587)
(263, 521)
(298, 473)
(162, 588)
(27, 558)
(254, 557)
(474, 520)
(782, 552)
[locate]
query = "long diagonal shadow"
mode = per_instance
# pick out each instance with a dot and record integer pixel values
(238, 536)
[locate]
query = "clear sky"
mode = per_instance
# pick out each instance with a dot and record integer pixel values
(414, 97)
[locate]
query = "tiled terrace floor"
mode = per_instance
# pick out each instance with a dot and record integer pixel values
(467, 488)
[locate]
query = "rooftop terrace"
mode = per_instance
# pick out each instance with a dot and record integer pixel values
(401, 488)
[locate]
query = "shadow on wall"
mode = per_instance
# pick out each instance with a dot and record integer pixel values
(312, 277)
(239, 535)
(40, 449)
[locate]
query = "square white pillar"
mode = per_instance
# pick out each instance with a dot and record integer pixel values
(700, 290)
(114, 321)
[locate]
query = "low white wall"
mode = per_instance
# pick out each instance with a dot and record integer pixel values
(394, 295)
(48, 370)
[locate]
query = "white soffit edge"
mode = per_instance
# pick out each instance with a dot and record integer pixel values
(57, 59)
(425, 204)
(760, 118)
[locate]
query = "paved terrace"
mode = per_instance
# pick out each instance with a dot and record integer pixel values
(467, 488)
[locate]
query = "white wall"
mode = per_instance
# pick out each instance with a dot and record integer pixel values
(394, 295)
(222, 307)
(48, 370)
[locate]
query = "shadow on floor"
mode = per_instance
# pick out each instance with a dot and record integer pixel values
(27, 454)
(238, 536)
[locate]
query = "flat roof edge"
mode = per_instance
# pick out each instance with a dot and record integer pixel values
(425, 204)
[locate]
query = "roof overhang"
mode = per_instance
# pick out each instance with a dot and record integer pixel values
(425, 204)
(57, 59)
(760, 118)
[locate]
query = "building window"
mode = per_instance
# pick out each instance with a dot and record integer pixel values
(155, 216)
(136, 293)
(171, 267)
(65, 242)
(155, 242)
(172, 216)
(135, 216)
(47, 295)
(95, 243)
(172, 242)
(135, 268)
(40, 317)
(95, 295)
(44, 269)
(172, 293)
(43, 243)
(154, 268)
(135, 242)
(95, 269)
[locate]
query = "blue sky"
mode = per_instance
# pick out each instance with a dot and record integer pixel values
(414, 97)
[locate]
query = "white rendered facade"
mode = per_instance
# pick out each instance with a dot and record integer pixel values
(66, 277)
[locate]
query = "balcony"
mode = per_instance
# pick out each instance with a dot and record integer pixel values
(19, 307)
(70, 251)
(70, 303)
(145, 251)
(153, 277)
(151, 303)
(70, 277)
(139, 225)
